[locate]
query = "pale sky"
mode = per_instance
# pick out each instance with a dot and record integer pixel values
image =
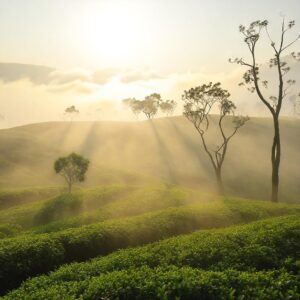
(157, 43)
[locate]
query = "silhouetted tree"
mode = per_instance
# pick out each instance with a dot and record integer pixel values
(72, 168)
(71, 111)
(199, 102)
(135, 105)
(168, 107)
(252, 77)
(149, 106)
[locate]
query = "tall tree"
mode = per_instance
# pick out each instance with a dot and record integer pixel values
(198, 103)
(252, 77)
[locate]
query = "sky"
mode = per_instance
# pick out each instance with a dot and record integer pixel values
(93, 53)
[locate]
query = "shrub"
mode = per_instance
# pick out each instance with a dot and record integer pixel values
(13, 197)
(59, 207)
(168, 283)
(7, 230)
(262, 245)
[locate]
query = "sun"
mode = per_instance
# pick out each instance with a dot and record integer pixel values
(112, 31)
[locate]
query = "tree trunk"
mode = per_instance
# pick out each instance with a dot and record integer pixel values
(220, 181)
(275, 158)
(69, 187)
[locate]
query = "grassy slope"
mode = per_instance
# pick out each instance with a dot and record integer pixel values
(166, 148)
(98, 204)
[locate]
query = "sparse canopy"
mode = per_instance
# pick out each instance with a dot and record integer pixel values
(71, 111)
(135, 105)
(72, 168)
(168, 107)
(253, 79)
(199, 102)
(150, 105)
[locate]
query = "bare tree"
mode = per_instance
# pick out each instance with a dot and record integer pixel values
(168, 107)
(252, 78)
(199, 102)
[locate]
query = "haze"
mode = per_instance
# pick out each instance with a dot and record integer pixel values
(93, 54)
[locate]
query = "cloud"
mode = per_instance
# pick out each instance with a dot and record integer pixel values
(11, 72)
(61, 77)
(76, 79)
(74, 86)
(138, 75)
(103, 76)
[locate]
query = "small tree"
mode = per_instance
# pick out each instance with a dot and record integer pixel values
(149, 106)
(167, 107)
(72, 168)
(199, 102)
(71, 111)
(135, 105)
(252, 77)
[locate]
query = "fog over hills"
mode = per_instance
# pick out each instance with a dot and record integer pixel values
(165, 148)
(36, 94)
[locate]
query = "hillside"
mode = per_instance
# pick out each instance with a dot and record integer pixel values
(165, 149)
(170, 231)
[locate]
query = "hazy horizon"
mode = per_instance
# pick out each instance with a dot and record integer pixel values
(92, 54)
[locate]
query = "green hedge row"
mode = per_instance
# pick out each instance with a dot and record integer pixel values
(13, 197)
(169, 283)
(27, 256)
(132, 202)
(263, 245)
(27, 213)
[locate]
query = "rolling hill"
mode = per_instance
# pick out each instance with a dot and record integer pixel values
(166, 149)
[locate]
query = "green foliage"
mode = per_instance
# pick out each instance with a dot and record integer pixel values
(188, 267)
(13, 197)
(170, 283)
(25, 215)
(72, 167)
(59, 207)
(7, 230)
(22, 215)
(100, 239)
(119, 201)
